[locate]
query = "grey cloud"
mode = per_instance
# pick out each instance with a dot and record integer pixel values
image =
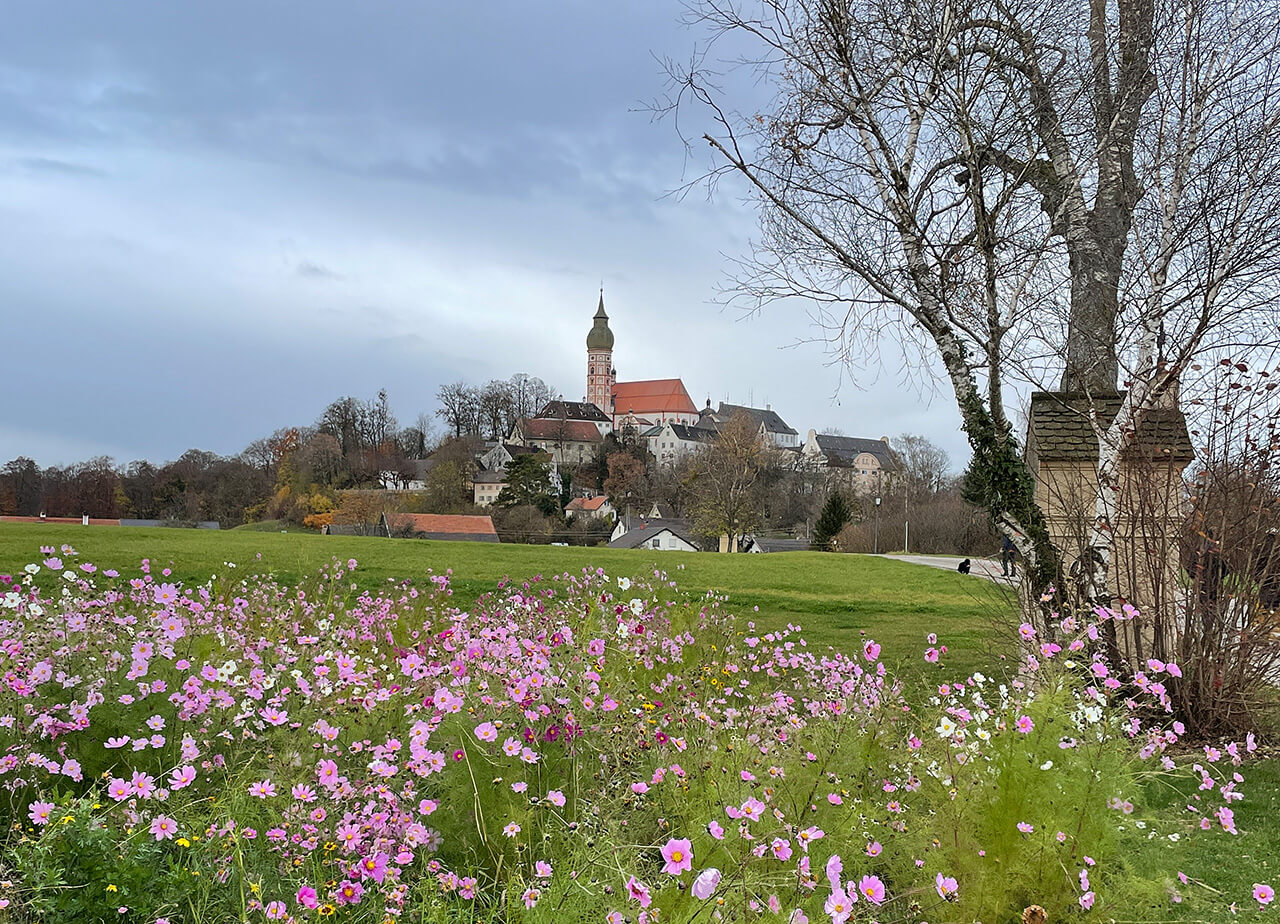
(54, 165)
(308, 270)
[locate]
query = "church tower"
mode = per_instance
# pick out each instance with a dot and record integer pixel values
(600, 372)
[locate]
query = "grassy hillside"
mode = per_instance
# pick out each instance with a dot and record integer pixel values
(833, 597)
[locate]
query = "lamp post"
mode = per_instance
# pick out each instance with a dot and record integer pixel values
(875, 542)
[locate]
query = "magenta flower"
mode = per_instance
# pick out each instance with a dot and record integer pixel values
(872, 889)
(677, 856)
(263, 789)
(639, 892)
(349, 892)
(1263, 894)
(704, 886)
(781, 848)
(375, 867)
(1087, 900)
(870, 650)
(1024, 724)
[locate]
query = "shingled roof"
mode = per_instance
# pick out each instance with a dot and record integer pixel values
(1060, 428)
(652, 397)
(765, 416)
(573, 410)
(843, 450)
(560, 430)
(438, 526)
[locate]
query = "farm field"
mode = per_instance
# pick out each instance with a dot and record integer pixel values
(833, 597)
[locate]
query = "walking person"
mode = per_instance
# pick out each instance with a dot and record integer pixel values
(1008, 566)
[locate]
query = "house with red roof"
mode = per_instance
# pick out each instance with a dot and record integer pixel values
(597, 508)
(438, 526)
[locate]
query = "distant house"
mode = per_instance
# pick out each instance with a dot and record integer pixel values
(496, 458)
(862, 466)
(661, 511)
(438, 526)
(412, 476)
(569, 442)
(760, 544)
(486, 486)
(673, 441)
(667, 535)
(597, 508)
(576, 410)
(773, 429)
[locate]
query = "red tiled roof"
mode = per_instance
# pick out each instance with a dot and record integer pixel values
(586, 503)
(76, 521)
(569, 431)
(655, 396)
(441, 523)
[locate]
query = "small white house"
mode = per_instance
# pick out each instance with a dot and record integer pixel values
(666, 535)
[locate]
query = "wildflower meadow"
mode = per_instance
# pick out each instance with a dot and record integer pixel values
(577, 747)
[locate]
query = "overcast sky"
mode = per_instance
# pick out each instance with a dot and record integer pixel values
(215, 218)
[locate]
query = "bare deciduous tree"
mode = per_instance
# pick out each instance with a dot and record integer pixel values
(1029, 187)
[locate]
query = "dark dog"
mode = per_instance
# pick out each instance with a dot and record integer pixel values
(964, 566)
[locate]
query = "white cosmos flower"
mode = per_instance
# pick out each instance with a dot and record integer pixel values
(946, 728)
(624, 584)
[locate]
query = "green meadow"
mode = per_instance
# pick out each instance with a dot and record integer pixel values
(836, 599)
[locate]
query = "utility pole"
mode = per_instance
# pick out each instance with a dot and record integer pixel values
(906, 523)
(875, 542)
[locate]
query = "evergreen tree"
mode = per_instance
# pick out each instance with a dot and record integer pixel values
(835, 515)
(529, 484)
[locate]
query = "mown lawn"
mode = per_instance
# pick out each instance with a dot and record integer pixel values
(833, 597)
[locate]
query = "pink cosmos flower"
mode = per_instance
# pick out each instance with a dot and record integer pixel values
(872, 889)
(349, 892)
(1025, 828)
(511, 830)
(1263, 894)
(834, 868)
(1087, 900)
(163, 828)
(1024, 724)
(542, 869)
(677, 855)
(486, 731)
(531, 896)
(704, 886)
(715, 830)
(375, 867)
(276, 911)
(870, 650)
(781, 848)
(639, 892)
(946, 886)
(839, 905)
(182, 777)
(263, 789)
(874, 849)
(41, 812)
(556, 798)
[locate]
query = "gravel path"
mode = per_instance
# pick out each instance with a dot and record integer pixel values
(982, 567)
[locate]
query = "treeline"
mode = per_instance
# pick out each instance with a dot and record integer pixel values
(295, 474)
